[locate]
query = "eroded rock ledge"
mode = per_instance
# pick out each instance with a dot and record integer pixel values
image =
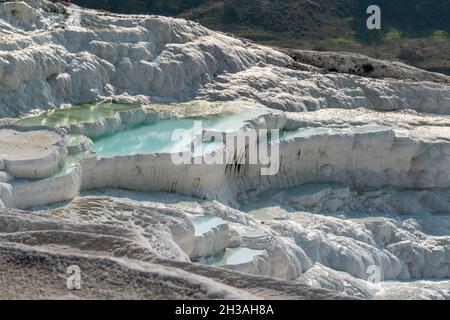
(361, 65)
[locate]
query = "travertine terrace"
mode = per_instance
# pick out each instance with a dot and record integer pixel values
(88, 101)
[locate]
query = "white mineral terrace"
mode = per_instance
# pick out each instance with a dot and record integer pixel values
(87, 113)
(364, 156)
(30, 154)
(139, 157)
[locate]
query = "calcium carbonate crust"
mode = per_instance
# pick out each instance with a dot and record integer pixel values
(385, 141)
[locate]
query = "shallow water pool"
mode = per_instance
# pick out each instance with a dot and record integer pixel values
(204, 224)
(235, 256)
(157, 138)
(83, 113)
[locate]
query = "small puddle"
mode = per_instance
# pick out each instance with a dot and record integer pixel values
(234, 256)
(204, 224)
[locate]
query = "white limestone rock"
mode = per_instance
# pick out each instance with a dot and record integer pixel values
(211, 242)
(297, 91)
(287, 262)
(320, 276)
(418, 290)
(31, 152)
(59, 60)
(392, 166)
(63, 186)
(133, 279)
(78, 144)
(5, 177)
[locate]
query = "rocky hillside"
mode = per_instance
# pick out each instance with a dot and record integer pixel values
(413, 31)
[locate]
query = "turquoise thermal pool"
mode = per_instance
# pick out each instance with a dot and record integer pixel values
(157, 138)
(235, 256)
(204, 224)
